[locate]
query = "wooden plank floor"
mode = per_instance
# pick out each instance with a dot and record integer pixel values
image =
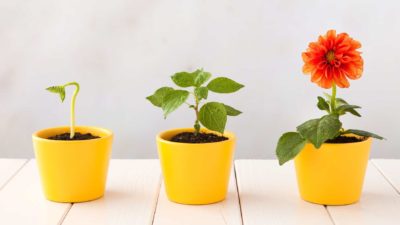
(22, 201)
(380, 203)
(260, 192)
(8, 168)
(268, 194)
(222, 213)
(132, 190)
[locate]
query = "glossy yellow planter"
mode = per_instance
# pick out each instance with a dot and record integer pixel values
(332, 174)
(73, 171)
(195, 173)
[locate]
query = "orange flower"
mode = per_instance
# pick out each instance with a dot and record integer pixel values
(333, 59)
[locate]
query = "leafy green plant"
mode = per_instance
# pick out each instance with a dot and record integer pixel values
(318, 131)
(60, 90)
(212, 115)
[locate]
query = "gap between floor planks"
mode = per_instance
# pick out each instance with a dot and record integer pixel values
(379, 203)
(268, 195)
(131, 196)
(23, 193)
(14, 173)
(226, 212)
(390, 178)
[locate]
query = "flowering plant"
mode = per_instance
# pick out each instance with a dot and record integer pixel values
(331, 61)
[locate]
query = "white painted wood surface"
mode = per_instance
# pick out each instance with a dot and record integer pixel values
(222, 213)
(268, 195)
(131, 196)
(8, 168)
(390, 168)
(379, 204)
(22, 201)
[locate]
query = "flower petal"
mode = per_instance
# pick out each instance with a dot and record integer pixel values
(345, 62)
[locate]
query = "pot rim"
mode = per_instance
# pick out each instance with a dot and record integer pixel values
(368, 139)
(109, 134)
(230, 135)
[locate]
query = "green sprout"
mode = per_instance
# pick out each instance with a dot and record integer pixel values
(212, 115)
(60, 90)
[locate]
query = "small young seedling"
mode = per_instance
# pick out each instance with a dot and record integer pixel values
(212, 115)
(60, 90)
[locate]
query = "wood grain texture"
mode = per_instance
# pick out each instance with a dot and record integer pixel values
(9, 168)
(22, 201)
(379, 204)
(268, 195)
(223, 213)
(131, 196)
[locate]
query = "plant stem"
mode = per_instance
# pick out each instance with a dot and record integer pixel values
(333, 98)
(196, 123)
(72, 119)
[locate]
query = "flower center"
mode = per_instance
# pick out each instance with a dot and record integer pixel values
(330, 56)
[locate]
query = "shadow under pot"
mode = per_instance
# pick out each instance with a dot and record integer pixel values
(195, 174)
(333, 174)
(74, 170)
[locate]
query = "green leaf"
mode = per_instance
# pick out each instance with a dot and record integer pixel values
(341, 101)
(213, 116)
(224, 85)
(157, 98)
(173, 100)
(327, 96)
(317, 131)
(187, 79)
(60, 90)
(184, 79)
(230, 111)
(354, 112)
(289, 146)
(363, 133)
(201, 92)
(322, 104)
(348, 108)
(201, 77)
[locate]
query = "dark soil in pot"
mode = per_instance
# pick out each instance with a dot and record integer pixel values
(190, 137)
(345, 139)
(77, 136)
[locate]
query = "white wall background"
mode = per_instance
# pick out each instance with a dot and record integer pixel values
(122, 50)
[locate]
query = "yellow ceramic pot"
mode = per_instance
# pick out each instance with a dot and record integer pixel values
(332, 174)
(73, 171)
(195, 173)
